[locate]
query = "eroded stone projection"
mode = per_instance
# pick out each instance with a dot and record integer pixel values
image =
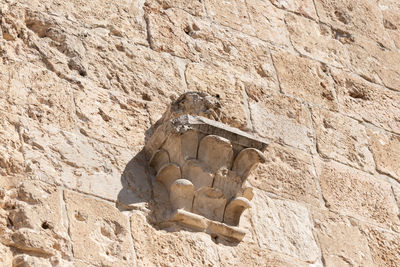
(203, 164)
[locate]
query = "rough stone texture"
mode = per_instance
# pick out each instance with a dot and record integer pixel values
(33, 220)
(366, 101)
(317, 41)
(305, 79)
(273, 121)
(285, 226)
(82, 84)
(343, 139)
(288, 173)
(342, 243)
(384, 246)
(385, 148)
(340, 185)
(99, 232)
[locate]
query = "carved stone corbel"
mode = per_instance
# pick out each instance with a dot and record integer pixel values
(203, 164)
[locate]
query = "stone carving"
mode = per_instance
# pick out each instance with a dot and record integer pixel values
(203, 164)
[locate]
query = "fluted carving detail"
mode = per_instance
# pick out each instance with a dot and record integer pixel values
(203, 165)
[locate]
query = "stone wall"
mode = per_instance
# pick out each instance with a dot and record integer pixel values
(82, 83)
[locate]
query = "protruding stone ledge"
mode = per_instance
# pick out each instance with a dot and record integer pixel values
(203, 164)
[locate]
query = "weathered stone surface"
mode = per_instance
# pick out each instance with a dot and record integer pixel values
(384, 246)
(30, 91)
(32, 219)
(363, 17)
(173, 249)
(306, 79)
(305, 8)
(75, 161)
(5, 255)
(391, 19)
(82, 84)
(222, 85)
(385, 148)
(343, 139)
(99, 231)
(272, 120)
(374, 62)
(269, 28)
(129, 22)
(366, 101)
(284, 226)
(318, 41)
(11, 152)
(341, 185)
(110, 114)
(201, 41)
(288, 173)
(195, 8)
(232, 13)
(341, 241)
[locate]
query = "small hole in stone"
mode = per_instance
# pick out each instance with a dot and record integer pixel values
(45, 225)
(108, 253)
(82, 73)
(218, 96)
(146, 97)
(124, 258)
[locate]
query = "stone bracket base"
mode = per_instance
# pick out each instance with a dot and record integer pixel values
(211, 227)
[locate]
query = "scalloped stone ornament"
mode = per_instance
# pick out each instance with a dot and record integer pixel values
(203, 164)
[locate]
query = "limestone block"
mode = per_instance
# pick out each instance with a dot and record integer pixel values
(386, 150)
(11, 156)
(231, 13)
(35, 220)
(173, 248)
(128, 23)
(272, 28)
(305, 8)
(284, 226)
(202, 41)
(75, 161)
(341, 241)
(195, 8)
(99, 232)
(5, 255)
(343, 139)
(104, 116)
(375, 63)
(318, 41)
(366, 101)
(306, 79)
(288, 173)
(349, 16)
(273, 121)
(391, 19)
(358, 194)
(37, 93)
(384, 245)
